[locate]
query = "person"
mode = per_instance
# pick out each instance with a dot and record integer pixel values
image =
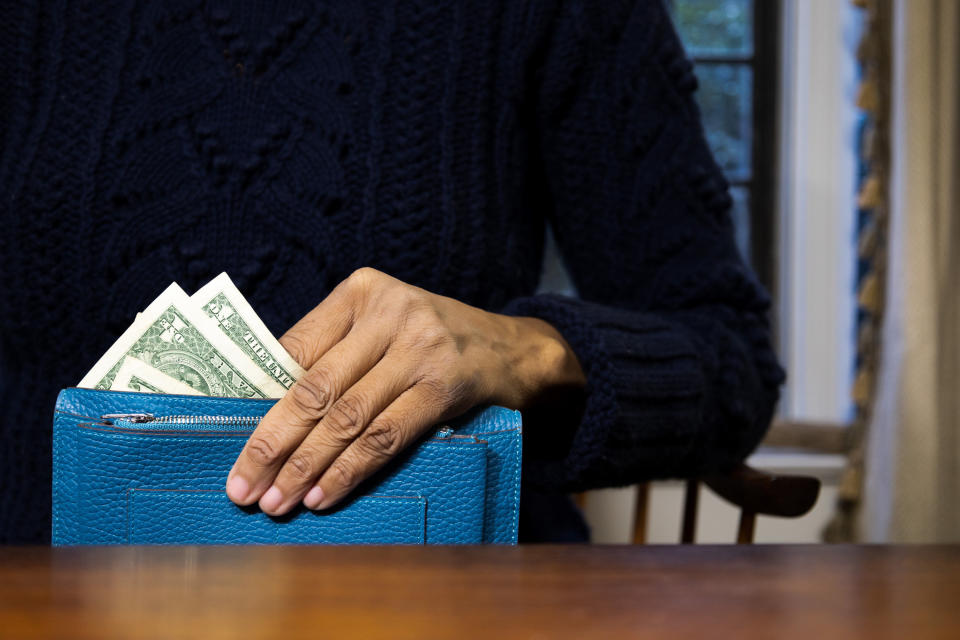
(379, 177)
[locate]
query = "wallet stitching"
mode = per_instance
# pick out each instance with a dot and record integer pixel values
(56, 504)
(129, 511)
(515, 511)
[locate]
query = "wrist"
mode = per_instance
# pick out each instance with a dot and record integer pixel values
(541, 363)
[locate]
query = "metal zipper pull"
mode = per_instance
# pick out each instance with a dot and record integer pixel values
(138, 418)
(448, 433)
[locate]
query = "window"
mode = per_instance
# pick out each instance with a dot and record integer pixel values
(734, 45)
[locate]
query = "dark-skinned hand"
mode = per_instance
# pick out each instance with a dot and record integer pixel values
(385, 362)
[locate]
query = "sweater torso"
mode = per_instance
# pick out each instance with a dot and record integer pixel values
(285, 143)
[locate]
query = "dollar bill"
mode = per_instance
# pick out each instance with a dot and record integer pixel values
(137, 375)
(174, 336)
(223, 303)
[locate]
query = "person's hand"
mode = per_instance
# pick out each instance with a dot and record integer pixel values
(385, 362)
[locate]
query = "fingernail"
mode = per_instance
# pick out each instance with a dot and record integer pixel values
(271, 499)
(313, 498)
(238, 489)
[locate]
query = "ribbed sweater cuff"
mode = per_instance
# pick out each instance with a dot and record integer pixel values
(644, 393)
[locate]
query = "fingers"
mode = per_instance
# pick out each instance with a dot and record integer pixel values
(399, 425)
(346, 421)
(375, 351)
(290, 420)
(323, 327)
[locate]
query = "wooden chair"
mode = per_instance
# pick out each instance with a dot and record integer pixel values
(753, 492)
(757, 492)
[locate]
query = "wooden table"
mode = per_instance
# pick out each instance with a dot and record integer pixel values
(807, 592)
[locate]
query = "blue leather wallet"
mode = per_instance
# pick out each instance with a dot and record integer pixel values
(139, 468)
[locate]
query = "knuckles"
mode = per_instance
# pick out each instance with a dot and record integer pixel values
(426, 333)
(345, 473)
(364, 279)
(263, 449)
(345, 419)
(311, 394)
(296, 346)
(382, 439)
(431, 336)
(300, 467)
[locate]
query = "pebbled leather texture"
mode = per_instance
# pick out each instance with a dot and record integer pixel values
(499, 427)
(163, 483)
(208, 517)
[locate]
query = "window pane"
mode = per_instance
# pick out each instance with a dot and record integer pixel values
(740, 212)
(715, 27)
(725, 100)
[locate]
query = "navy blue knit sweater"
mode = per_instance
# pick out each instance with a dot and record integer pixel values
(289, 143)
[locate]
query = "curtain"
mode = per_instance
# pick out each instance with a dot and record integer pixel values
(873, 221)
(909, 460)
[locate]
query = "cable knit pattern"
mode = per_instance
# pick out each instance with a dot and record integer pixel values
(289, 143)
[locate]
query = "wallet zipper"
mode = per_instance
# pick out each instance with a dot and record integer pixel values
(150, 421)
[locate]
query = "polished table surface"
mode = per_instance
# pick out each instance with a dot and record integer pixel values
(478, 592)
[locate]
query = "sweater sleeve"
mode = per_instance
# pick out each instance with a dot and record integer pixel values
(671, 326)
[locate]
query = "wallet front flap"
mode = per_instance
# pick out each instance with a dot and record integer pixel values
(97, 463)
